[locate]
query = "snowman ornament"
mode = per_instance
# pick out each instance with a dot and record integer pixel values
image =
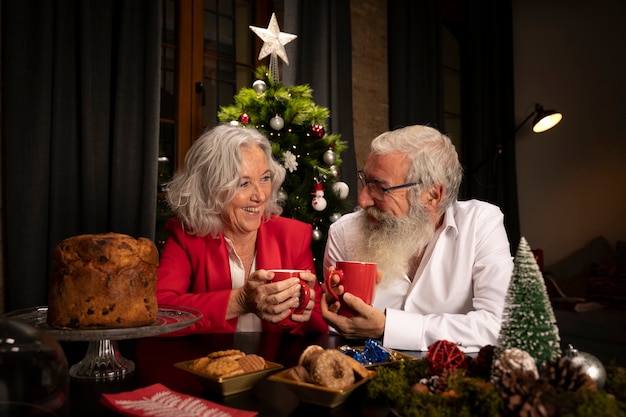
(319, 202)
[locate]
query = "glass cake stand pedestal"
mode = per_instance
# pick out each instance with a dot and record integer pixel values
(103, 359)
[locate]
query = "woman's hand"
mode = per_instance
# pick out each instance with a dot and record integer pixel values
(271, 301)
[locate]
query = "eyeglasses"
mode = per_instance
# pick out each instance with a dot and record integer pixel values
(376, 190)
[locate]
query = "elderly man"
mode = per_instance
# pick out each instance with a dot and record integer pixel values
(445, 264)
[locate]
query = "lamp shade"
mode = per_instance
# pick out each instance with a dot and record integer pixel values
(545, 119)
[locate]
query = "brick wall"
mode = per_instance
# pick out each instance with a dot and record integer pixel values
(370, 99)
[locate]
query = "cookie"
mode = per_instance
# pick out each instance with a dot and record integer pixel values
(231, 353)
(300, 374)
(223, 367)
(309, 354)
(251, 363)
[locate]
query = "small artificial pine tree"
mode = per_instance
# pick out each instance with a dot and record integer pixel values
(528, 321)
(295, 126)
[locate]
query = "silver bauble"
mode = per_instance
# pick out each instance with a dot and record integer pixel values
(334, 170)
(277, 122)
(282, 195)
(317, 234)
(588, 364)
(330, 157)
(259, 86)
(334, 217)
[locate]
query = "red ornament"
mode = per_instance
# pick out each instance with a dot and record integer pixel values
(244, 119)
(444, 355)
(318, 131)
(484, 360)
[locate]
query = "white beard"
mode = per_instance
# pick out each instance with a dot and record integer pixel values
(392, 241)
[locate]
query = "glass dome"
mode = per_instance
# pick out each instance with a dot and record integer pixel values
(34, 379)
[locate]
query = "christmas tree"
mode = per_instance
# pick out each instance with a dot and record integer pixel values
(296, 127)
(528, 321)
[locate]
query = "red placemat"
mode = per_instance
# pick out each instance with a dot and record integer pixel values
(157, 400)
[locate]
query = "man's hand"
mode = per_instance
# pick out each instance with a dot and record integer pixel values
(368, 322)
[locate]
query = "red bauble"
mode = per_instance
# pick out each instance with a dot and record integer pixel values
(318, 131)
(444, 355)
(244, 119)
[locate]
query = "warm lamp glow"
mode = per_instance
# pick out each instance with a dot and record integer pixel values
(544, 119)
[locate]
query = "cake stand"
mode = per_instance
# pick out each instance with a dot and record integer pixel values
(103, 359)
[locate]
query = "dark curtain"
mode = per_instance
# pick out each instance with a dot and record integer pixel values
(484, 30)
(488, 113)
(415, 81)
(80, 140)
(321, 57)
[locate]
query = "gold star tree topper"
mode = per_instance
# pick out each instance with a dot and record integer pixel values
(274, 44)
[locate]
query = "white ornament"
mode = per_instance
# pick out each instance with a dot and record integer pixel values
(317, 234)
(290, 161)
(341, 189)
(234, 123)
(259, 86)
(277, 122)
(319, 203)
(329, 157)
(334, 217)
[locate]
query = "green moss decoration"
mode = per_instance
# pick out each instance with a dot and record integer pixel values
(468, 395)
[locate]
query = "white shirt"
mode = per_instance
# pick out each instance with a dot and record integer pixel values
(458, 291)
(248, 322)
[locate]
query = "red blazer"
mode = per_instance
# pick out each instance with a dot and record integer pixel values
(195, 272)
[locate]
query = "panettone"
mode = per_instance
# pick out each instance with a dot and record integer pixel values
(103, 281)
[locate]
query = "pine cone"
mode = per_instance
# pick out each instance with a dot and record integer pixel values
(513, 359)
(524, 395)
(564, 375)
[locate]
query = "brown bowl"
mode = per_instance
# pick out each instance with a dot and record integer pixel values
(317, 394)
(229, 385)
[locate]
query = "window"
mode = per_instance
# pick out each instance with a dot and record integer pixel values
(207, 56)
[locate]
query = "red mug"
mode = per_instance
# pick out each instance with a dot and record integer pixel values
(358, 278)
(305, 291)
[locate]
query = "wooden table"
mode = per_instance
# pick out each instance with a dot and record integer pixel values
(154, 358)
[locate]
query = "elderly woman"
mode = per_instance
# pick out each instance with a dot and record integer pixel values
(227, 235)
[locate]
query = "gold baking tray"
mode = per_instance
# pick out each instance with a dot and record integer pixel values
(233, 384)
(317, 394)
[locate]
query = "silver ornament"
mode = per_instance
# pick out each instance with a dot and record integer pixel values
(329, 157)
(588, 364)
(317, 234)
(334, 217)
(334, 170)
(281, 195)
(259, 86)
(277, 122)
